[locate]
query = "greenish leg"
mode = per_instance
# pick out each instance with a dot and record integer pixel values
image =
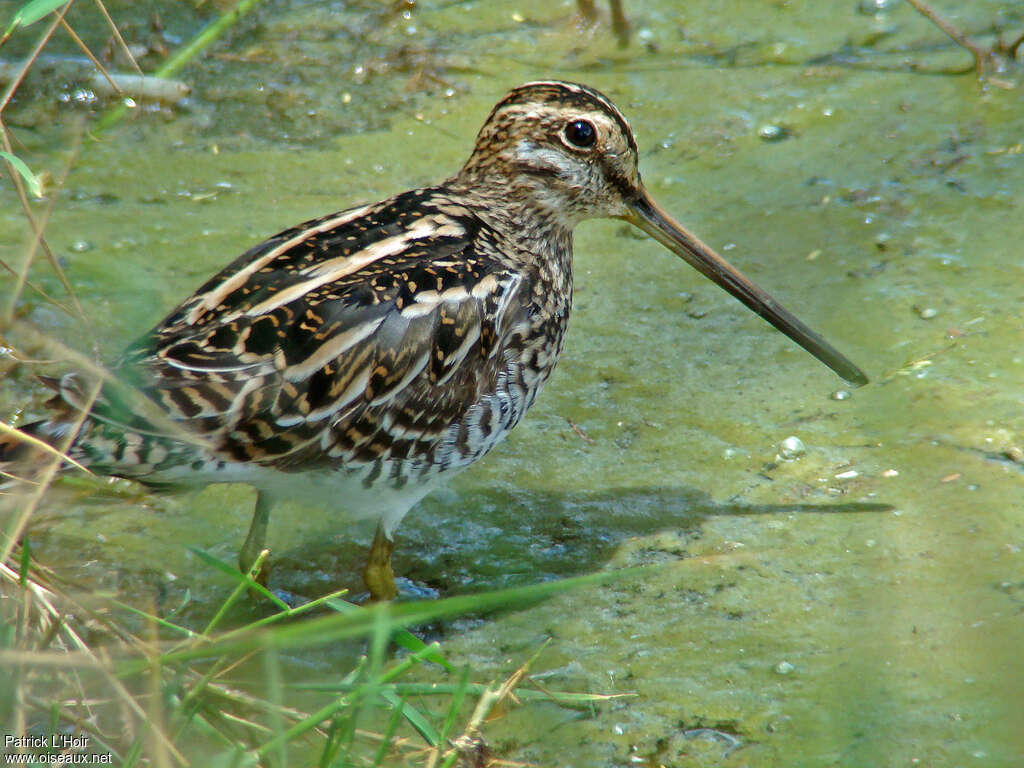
(620, 24)
(378, 575)
(255, 540)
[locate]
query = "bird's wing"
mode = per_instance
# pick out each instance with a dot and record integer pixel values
(386, 312)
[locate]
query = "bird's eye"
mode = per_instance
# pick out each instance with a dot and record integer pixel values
(581, 133)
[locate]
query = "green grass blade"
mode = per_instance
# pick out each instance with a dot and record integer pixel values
(458, 696)
(236, 593)
(336, 706)
(156, 619)
(451, 759)
(389, 734)
(242, 579)
(32, 12)
(134, 753)
(35, 187)
(562, 698)
(402, 637)
(414, 717)
(272, 677)
(26, 563)
(329, 629)
(379, 639)
(407, 640)
(289, 613)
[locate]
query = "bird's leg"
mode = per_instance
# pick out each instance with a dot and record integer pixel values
(620, 24)
(256, 538)
(378, 575)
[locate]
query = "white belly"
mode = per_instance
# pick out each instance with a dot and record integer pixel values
(345, 490)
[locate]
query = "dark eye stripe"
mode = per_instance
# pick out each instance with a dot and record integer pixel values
(581, 133)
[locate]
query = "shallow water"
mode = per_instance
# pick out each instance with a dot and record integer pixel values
(859, 605)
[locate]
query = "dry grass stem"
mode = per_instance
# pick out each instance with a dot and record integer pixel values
(45, 447)
(117, 36)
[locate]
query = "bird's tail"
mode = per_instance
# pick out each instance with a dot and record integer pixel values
(94, 431)
(26, 450)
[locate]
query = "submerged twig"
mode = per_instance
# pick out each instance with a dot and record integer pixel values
(984, 58)
(88, 53)
(37, 227)
(117, 36)
(43, 40)
(180, 58)
(141, 86)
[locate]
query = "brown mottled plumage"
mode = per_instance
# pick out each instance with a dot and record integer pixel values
(359, 358)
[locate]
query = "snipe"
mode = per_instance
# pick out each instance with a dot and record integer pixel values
(359, 359)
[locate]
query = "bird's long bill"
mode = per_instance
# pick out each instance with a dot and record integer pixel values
(652, 219)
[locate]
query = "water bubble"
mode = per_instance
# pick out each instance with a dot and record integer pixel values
(783, 668)
(773, 132)
(792, 448)
(875, 8)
